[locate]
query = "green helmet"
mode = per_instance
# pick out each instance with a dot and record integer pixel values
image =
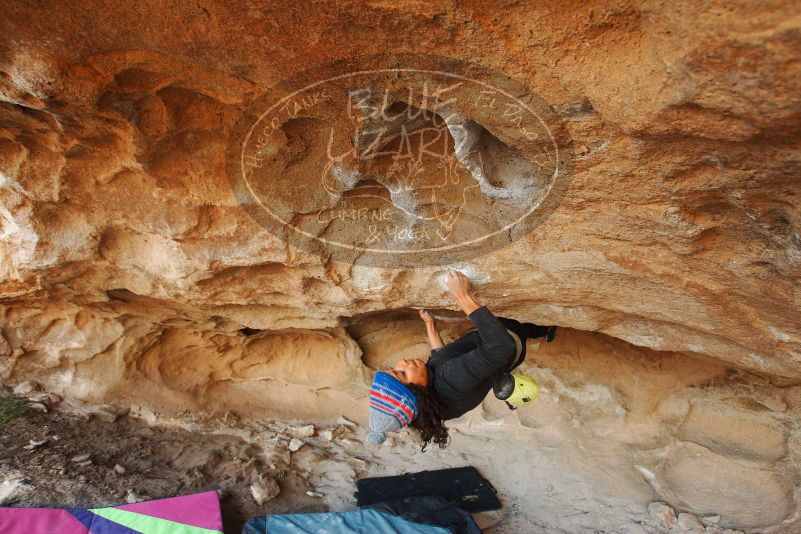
(515, 389)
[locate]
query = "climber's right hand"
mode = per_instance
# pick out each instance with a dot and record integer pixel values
(458, 284)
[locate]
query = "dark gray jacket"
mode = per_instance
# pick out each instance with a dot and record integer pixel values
(462, 372)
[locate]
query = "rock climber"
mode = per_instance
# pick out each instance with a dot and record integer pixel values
(456, 377)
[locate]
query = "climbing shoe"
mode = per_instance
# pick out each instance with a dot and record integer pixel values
(550, 334)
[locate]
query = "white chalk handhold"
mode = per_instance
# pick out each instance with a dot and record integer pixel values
(472, 273)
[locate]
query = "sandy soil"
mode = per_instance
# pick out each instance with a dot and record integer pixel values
(157, 462)
(186, 454)
(545, 483)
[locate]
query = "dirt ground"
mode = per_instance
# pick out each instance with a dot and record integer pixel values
(56, 454)
(154, 462)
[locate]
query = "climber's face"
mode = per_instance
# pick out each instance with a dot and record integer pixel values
(411, 372)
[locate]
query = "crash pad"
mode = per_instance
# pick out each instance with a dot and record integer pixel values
(198, 513)
(356, 522)
(464, 486)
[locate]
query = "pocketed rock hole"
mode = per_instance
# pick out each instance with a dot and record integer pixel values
(434, 173)
(385, 337)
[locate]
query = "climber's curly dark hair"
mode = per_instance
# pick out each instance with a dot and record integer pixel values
(429, 423)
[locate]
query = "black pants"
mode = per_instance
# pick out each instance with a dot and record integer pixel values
(470, 339)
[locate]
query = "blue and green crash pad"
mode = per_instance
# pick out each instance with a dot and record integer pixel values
(426, 515)
(362, 521)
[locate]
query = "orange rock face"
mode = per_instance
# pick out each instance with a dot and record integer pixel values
(136, 264)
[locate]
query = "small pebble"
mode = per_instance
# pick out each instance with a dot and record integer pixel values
(81, 458)
(356, 461)
(32, 444)
(314, 494)
(45, 398)
(24, 388)
(120, 470)
(689, 523)
(306, 431)
(345, 421)
(663, 513)
(38, 406)
(263, 490)
(109, 413)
